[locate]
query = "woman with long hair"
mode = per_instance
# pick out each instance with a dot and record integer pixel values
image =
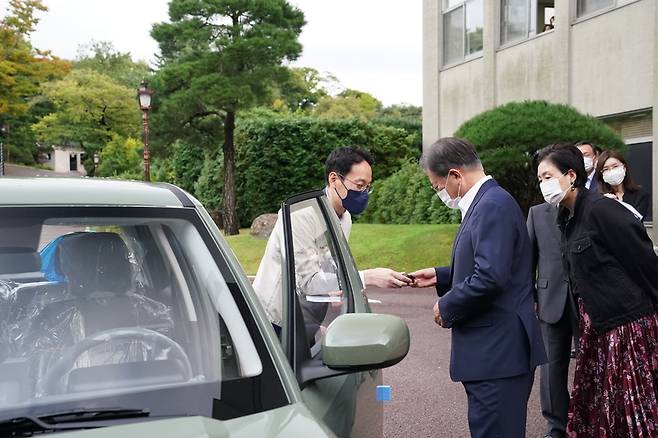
(613, 277)
(614, 177)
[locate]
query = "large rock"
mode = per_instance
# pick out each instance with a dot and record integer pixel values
(262, 226)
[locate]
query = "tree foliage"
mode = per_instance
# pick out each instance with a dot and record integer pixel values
(121, 158)
(89, 108)
(22, 67)
(348, 104)
(218, 57)
(102, 57)
(508, 136)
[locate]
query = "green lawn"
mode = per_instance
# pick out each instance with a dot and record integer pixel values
(399, 247)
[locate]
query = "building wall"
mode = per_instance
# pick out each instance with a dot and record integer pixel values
(461, 94)
(611, 64)
(525, 71)
(60, 161)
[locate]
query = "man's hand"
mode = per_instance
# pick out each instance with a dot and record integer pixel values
(424, 278)
(385, 278)
(437, 314)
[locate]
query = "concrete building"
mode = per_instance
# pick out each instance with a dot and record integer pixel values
(64, 159)
(601, 57)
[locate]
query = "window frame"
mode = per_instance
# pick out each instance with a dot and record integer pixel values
(614, 4)
(307, 368)
(465, 57)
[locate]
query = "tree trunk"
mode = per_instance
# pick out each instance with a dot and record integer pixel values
(231, 224)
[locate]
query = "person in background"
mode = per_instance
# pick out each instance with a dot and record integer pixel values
(613, 276)
(614, 179)
(589, 158)
(558, 318)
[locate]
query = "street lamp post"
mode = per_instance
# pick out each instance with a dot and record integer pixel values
(4, 129)
(96, 160)
(144, 95)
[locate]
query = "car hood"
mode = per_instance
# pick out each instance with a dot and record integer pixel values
(292, 420)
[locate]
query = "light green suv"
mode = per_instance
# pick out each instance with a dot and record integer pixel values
(124, 313)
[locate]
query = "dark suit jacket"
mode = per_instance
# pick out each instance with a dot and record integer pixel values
(552, 285)
(594, 186)
(487, 292)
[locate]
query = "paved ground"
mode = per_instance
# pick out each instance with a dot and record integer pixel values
(426, 403)
(24, 171)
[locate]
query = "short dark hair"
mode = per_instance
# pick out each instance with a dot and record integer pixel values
(566, 157)
(342, 159)
(629, 184)
(450, 153)
(595, 149)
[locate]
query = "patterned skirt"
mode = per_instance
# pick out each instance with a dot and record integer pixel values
(615, 381)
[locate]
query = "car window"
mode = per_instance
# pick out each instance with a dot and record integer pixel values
(319, 281)
(95, 306)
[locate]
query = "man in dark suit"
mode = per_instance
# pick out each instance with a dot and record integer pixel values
(590, 155)
(557, 317)
(486, 294)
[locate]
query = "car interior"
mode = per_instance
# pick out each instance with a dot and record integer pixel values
(91, 306)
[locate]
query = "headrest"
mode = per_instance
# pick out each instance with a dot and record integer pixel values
(14, 260)
(94, 262)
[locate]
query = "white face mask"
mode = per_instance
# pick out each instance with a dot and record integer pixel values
(552, 191)
(615, 176)
(452, 203)
(589, 164)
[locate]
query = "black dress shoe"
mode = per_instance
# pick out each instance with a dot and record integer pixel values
(573, 356)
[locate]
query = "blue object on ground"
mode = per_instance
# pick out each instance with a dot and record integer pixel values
(384, 393)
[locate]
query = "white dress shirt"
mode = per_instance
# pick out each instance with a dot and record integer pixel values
(469, 196)
(313, 270)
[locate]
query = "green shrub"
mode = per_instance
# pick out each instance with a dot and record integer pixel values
(406, 197)
(121, 158)
(186, 163)
(209, 187)
(508, 136)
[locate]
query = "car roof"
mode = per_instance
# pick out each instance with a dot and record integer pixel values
(89, 191)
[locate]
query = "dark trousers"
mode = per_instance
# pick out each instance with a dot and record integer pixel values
(498, 408)
(554, 394)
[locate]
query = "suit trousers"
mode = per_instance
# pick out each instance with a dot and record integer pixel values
(554, 393)
(498, 408)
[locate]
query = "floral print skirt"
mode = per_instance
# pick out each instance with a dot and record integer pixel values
(615, 381)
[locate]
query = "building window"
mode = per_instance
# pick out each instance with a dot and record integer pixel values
(463, 21)
(521, 19)
(586, 7)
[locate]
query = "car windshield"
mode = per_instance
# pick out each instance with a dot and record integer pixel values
(122, 307)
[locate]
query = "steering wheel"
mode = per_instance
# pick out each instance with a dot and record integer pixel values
(48, 384)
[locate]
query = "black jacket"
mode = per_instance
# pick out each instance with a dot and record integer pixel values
(610, 261)
(641, 200)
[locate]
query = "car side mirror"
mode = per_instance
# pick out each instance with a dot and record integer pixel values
(365, 341)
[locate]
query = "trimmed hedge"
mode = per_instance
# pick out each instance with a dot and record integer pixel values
(507, 137)
(277, 157)
(406, 197)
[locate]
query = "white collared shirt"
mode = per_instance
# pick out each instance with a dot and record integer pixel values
(469, 196)
(268, 281)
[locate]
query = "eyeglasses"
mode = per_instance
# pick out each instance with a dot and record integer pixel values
(359, 187)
